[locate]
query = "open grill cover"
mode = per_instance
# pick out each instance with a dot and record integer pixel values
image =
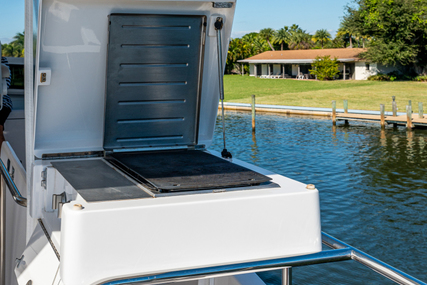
(153, 80)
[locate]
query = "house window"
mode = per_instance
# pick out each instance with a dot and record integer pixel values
(367, 66)
(271, 69)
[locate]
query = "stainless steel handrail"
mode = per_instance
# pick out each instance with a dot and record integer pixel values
(235, 269)
(341, 252)
(371, 262)
(16, 194)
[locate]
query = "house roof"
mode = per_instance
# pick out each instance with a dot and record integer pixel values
(305, 56)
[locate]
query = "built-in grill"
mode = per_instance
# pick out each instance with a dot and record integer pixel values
(152, 101)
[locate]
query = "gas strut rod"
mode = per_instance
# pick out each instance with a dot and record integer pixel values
(218, 27)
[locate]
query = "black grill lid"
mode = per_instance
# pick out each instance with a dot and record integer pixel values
(187, 170)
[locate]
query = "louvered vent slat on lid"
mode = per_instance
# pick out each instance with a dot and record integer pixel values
(153, 80)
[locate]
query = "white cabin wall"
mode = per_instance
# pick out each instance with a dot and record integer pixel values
(361, 73)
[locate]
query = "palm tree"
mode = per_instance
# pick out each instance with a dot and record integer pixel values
(19, 38)
(322, 36)
(300, 39)
(268, 34)
(345, 35)
(281, 36)
(12, 50)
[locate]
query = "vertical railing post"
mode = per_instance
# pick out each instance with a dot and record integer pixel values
(253, 113)
(409, 117)
(334, 113)
(287, 276)
(382, 111)
(420, 110)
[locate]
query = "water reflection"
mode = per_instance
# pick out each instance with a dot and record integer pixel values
(254, 148)
(373, 189)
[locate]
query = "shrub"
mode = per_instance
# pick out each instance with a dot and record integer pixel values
(324, 67)
(380, 77)
(422, 78)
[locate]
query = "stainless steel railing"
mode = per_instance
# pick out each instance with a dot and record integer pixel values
(16, 194)
(340, 252)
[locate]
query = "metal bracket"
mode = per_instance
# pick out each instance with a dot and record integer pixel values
(58, 201)
(19, 261)
(44, 177)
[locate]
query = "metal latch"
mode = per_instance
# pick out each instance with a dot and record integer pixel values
(44, 177)
(222, 5)
(58, 201)
(19, 261)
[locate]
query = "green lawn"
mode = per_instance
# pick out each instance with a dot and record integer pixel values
(362, 95)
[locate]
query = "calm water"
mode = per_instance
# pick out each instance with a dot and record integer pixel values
(372, 183)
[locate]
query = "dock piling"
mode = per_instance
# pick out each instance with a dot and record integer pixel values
(334, 113)
(382, 111)
(253, 113)
(420, 110)
(409, 116)
(346, 111)
(394, 109)
(394, 106)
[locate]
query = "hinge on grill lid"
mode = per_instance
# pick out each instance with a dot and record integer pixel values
(58, 200)
(222, 5)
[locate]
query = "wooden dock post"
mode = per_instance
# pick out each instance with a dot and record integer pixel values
(409, 117)
(394, 109)
(334, 113)
(420, 110)
(394, 106)
(253, 113)
(346, 111)
(382, 111)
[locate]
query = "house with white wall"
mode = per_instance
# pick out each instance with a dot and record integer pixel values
(291, 63)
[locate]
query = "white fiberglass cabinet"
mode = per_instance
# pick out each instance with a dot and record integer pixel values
(119, 120)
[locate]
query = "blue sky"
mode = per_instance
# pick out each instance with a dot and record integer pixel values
(11, 19)
(251, 16)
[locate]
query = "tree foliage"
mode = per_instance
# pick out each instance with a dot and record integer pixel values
(281, 37)
(299, 38)
(240, 48)
(324, 67)
(14, 48)
(398, 29)
(322, 36)
(268, 34)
